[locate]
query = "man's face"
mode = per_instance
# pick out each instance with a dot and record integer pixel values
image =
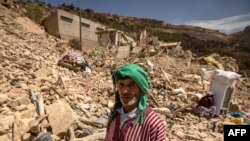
(129, 92)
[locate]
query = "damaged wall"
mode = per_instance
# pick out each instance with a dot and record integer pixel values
(66, 25)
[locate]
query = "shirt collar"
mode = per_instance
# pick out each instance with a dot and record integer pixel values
(130, 114)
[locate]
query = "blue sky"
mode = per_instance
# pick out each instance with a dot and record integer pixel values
(225, 15)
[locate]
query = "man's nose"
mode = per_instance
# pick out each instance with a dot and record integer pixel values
(125, 90)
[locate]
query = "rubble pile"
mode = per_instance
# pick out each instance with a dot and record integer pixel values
(38, 97)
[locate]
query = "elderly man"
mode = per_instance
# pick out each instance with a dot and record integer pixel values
(131, 119)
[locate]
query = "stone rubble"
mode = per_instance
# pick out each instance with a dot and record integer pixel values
(28, 61)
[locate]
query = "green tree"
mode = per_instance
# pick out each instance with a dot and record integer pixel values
(34, 12)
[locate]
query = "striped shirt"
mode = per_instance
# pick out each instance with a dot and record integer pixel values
(151, 130)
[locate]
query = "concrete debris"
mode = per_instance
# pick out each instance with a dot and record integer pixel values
(5, 138)
(41, 73)
(123, 52)
(150, 64)
(77, 108)
(223, 63)
(60, 113)
(111, 37)
(2, 131)
(179, 91)
(43, 137)
(212, 61)
(192, 137)
(136, 50)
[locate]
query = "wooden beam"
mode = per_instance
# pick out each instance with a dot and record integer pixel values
(189, 58)
(16, 135)
(183, 108)
(69, 66)
(154, 100)
(72, 134)
(39, 120)
(246, 78)
(54, 89)
(169, 44)
(92, 123)
(165, 76)
(41, 109)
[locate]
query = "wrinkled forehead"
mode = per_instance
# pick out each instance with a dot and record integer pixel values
(125, 81)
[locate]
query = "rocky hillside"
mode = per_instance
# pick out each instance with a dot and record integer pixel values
(241, 40)
(199, 40)
(133, 25)
(34, 104)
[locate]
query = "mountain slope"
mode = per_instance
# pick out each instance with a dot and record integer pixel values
(199, 40)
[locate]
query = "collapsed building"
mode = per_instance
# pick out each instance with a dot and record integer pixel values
(33, 87)
(65, 25)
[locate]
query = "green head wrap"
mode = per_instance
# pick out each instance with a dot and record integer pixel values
(139, 76)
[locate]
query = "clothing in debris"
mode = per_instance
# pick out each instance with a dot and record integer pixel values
(206, 101)
(76, 59)
(122, 129)
(203, 111)
(245, 109)
(73, 57)
(234, 120)
(234, 116)
(206, 106)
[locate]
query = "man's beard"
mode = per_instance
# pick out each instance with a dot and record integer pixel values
(133, 101)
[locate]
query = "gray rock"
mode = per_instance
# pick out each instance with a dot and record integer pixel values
(43, 137)
(60, 118)
(13, 103)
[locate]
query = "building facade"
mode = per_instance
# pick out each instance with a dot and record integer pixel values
(67, 26)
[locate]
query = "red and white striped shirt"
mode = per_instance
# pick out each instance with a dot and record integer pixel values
(151, 130)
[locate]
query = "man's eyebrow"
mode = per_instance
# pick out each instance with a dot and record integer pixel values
(130, 82)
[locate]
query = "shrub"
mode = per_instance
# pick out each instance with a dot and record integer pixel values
(34, 12)
(75, 43)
